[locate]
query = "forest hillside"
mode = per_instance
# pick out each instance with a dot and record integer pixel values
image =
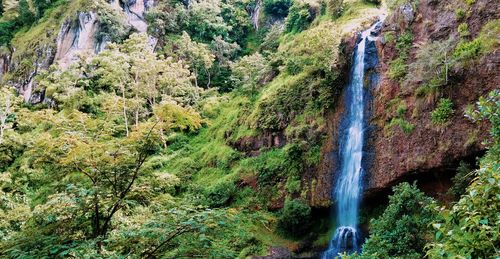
(249, 129)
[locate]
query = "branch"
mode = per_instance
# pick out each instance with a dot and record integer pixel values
(140, 161)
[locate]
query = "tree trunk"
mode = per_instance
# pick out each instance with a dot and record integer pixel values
(125, 109)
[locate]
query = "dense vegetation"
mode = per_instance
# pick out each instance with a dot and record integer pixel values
(201, 146)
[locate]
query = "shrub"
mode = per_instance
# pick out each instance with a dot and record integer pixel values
(299, 17)
(470, 2)
(471, 228)
(295, 218)
(402, 229)
(404, 125)
(397, 68)
(460, 13)
(443, 112)
(431, 66)
(463, 30)
(277, 8)
(335, 8)
(467, 51)
(220, 194)
(461, 180)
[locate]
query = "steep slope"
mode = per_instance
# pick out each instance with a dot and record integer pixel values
(408, 142)
(66, 31)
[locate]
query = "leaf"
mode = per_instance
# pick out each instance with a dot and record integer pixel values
(438, 235)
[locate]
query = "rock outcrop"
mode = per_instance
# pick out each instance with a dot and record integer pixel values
(76, 35)
(429, 149)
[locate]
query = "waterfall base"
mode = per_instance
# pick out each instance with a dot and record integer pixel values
(346, 239)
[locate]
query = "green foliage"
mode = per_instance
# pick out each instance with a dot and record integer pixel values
(471, 228)
(462, 179)
(250, 71)
(403, 229)
(335, 7)
(112, 25)
(220, 193)
(278, 8)
(443, 112)
(488, 108)
(431, 68)
(463, 30)
(460, 14)
(467, 51)
(470, 2)
(403, 124)
(7, 30)
(488, 42)
(295, 218)
(398, 67)
(1, 8)
(25, 16)
(299, 17)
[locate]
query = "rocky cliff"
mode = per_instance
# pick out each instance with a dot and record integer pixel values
(78, 28)
(404, 144)
(430, 150)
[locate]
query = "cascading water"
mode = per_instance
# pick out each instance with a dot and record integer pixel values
(349, 184)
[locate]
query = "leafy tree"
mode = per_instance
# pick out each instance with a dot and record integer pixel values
(1, 7)
(278, 8)
(41, 6)
(25, 15)
(403, 229)
(9, 103)
(197, 55)
(294, 218)
(471, 227)
(250, 70)
(204, 20)
(7, 30)
(299, 17)
(164, 18)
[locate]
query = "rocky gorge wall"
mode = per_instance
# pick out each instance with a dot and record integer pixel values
(429, 154)
(430, 150)
(63, 40)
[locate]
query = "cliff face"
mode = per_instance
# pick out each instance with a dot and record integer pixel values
(429, 151)
(61, 40)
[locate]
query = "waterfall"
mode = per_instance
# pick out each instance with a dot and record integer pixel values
(348, 188)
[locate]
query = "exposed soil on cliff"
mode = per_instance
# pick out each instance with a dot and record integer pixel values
(429, 148)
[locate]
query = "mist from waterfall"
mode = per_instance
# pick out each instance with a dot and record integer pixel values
(348, 187)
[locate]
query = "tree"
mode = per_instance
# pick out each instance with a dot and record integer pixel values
(204, 20)
(112, 70)
(9, 103)
(25, 15)
(471, 227)
(197, 55)
(1, 7)
(250, 70)
(278, 8)
(295, 218)
(402, 230)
